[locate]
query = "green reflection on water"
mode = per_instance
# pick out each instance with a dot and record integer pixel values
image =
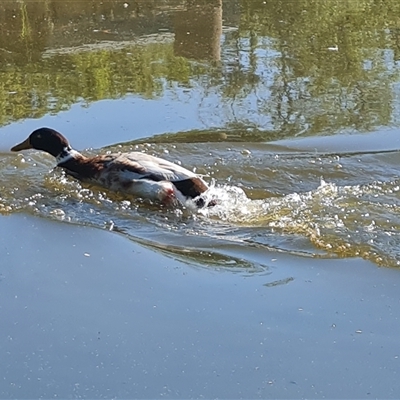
(54, 83)
(292, 67)
(346, 50)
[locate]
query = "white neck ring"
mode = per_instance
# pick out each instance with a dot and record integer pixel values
(66, 155)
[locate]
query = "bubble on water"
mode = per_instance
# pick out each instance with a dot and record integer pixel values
(58, 213)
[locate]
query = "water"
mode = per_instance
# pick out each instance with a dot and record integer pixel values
(327, 205)
(87, 313)
(290, 110)
(215, 115)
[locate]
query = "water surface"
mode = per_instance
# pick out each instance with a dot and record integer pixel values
(289, 110)
(123, 321)
(213, 108)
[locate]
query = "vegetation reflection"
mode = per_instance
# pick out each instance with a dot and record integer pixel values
(292, 67)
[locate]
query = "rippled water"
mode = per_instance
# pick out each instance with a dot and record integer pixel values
(313, 205)
(290, 110)
(220, 100)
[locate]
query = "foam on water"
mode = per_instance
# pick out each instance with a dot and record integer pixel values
(346, 221)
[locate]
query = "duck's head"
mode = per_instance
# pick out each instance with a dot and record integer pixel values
(46, 139)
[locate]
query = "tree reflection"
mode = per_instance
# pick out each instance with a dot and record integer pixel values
(301, 67)
(198, 30)
(332, 71)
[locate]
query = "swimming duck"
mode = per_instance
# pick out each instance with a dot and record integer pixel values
(133, 173)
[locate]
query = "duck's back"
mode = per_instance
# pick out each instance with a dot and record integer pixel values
(144, 166)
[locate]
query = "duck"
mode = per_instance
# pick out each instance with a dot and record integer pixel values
(133, 173)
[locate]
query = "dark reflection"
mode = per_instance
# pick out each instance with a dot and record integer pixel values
(198, 30)
(289, 68)
(29, 27)
(231, 134)
(208, 258)
(23, 32)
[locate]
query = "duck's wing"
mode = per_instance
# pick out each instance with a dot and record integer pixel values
(135, 165)
(140, 166)
(144, 166)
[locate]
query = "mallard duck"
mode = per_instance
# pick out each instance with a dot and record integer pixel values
(132, 173)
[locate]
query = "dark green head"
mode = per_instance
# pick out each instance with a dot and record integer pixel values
(46, 139)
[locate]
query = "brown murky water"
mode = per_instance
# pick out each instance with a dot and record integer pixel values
(290, 110)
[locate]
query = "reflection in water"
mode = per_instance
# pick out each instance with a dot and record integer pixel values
(277, 72)
(198, 30)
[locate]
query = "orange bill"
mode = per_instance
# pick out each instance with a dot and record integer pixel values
(26, 144)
